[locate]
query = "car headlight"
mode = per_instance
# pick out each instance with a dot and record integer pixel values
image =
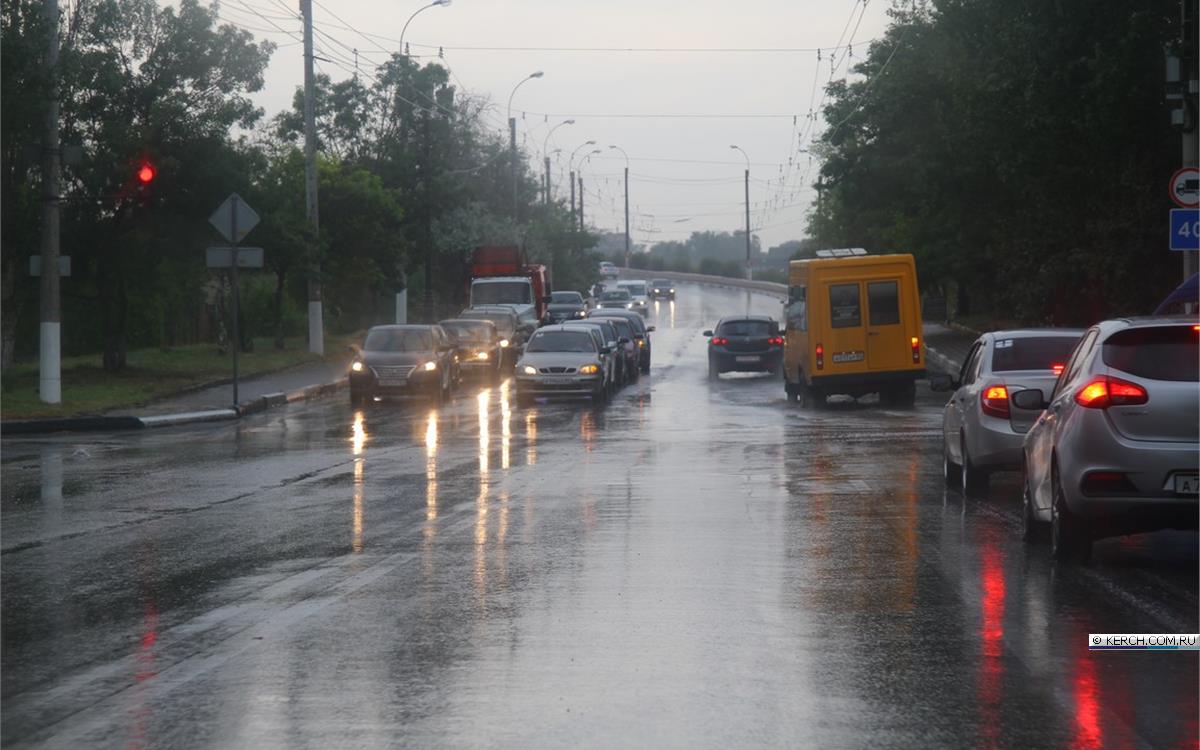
(589, 369)
(503, 343)
(672, 291)
(529, 370)
(356, 366)
(629, 306)
(430, 366)
(656, 291)
(641, 343)
(580, 314)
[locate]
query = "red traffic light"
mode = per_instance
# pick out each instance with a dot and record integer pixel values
(145, 173)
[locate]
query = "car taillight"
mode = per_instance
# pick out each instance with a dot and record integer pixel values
(775, 341)
(994, 401)
(1105, 391)
(820, 357)
(719, 341)
(1057, 368)
(916, 349)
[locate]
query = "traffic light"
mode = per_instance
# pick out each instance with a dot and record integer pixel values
(146, 174)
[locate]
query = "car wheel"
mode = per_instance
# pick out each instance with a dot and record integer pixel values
(634, 374)
(792, 394)
(950, 470)
(974, 479)
(713, 372)
(1069, 539)
(1029, 523)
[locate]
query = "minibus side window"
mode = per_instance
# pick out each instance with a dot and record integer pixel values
(797, 311)
(844, 308)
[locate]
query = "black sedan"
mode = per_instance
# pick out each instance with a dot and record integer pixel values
(747, 343)
(565, 306)
(478, 342)
(660, 289)
(417, 360)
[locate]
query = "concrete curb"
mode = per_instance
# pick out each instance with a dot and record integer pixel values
(96, 424)
(941, 361)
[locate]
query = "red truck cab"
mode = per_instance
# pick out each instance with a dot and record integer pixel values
(500, 275)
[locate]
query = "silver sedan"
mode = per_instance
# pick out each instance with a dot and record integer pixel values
(982, 431)
(1117, 447)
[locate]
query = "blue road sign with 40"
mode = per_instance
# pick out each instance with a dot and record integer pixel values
(1185, 229)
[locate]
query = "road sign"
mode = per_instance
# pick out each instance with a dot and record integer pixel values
(222, 257)
(64, 265)
(1185, 187)
(224, 219)
(1185, 228)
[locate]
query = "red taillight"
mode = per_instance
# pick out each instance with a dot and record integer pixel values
(1104, 392)
(916, 349)
(719, 341)
(775, 341)
(1057, 367)
(820, 357)
(994, 401)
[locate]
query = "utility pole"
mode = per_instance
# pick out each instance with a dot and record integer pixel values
(749, 268)
(627, 217)
(547, 181)
(573, 224)
(50, 335)
(581, 203)
(1191, 87)
(316, 328)
(512, 147)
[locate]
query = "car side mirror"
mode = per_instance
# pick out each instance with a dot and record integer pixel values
(606, 350)
(708, 334)
(941, 382)
(1031, 398)
(650, 329)
(622, 341)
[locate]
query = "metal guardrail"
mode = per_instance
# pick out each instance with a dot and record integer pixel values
(766, 287)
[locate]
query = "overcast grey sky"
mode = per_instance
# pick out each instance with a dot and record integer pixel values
(600, 89)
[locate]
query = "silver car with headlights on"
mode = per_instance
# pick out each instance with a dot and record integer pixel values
(981, 431)
(1117, 447)
(564, 360)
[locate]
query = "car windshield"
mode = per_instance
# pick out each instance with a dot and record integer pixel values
(1156, 353)
(746, 328)
(561, 341)
(504, 321)
(1032, 353)
(397, 340)
(624, 328)
(566, 298)
(660, 284)
(617, 295)
(500, 293)
(472, 332)
(637, 290)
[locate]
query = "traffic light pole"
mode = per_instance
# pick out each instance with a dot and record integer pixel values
(50, 334)
(316, 329)
(237, 294)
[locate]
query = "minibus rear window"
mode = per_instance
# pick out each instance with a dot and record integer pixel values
(844, 308)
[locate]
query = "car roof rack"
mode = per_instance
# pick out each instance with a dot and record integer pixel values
(841, 252)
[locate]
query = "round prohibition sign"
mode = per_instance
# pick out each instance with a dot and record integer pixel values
(1185, 187)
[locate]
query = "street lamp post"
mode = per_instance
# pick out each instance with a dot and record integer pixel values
(749, 271)
(618, 148)
(587, 156)
(571, 174)
(512, 136)
(435, 3)
(545, 145)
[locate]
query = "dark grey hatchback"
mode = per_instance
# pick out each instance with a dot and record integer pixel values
(748, 343)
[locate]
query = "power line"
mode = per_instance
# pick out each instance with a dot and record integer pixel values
(704, 50)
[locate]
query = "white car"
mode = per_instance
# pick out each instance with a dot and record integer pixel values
(608, 270)
(637, 291)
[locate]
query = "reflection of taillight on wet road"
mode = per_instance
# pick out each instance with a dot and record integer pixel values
(1088, 733)
(994, 401)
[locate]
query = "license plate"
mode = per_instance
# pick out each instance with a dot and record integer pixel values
(392, 382)
(748, 359)
(1187, 484)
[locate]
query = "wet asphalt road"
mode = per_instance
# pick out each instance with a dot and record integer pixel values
(693, 565)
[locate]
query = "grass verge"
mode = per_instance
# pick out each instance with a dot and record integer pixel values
(151, 374)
